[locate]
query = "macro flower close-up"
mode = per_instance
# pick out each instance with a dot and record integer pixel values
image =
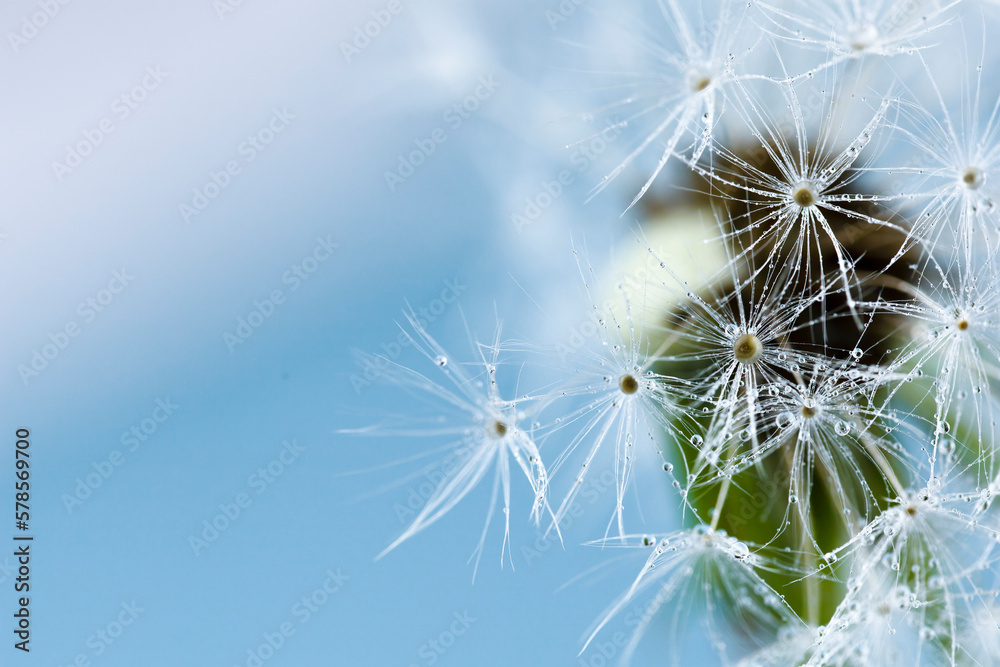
(562, 332)
(787, 360)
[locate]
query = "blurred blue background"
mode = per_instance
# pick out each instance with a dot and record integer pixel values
(120, 123)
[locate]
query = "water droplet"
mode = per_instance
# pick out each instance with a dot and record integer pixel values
(441, 360)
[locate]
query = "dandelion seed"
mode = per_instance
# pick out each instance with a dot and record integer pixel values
(628, 384)
(683, 102)
(959, 144)
(714, 575)
(959, 314)
(790, 196)
(820, 390)
(929, 535)
(844, 30)
(748, 349)
(621, 415)
(486, 427)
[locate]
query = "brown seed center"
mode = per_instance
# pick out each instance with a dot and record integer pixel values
(497, 429)
(808, 412)
(747, 349)
(863, 36)
(628, 384)
(804, 195)
(972, 177)
(962, 324)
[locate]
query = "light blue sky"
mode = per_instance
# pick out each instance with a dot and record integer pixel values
(198, 86)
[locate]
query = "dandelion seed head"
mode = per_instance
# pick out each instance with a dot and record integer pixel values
(748, 349)
(973, 178)
(496, 429)
(804, 194)
(712, 573)
(862, 36)
(827, 372)
(849, 29)
(628, 384)
(699, 77)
